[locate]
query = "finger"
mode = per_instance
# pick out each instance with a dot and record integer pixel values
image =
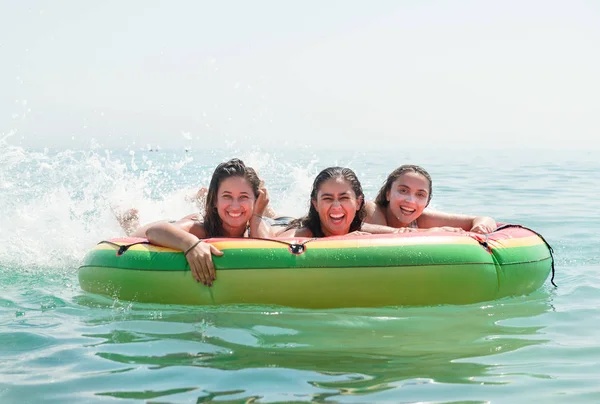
(209, 270)
(259, 199)
(204, 271)
(198, 260)
(215, 251)
(195, 270)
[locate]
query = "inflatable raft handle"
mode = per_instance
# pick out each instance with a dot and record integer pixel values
(124, 247)
(506, 226)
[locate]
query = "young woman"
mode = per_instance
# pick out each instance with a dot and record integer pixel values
(336, 206)
(235, 203)
(401, 204)
(130, 218)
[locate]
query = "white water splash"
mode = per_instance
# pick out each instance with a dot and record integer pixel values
(58, 205)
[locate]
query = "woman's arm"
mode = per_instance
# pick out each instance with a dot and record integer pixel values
(259, 228)
(379, 229)
(374, 214)
(478, 224)
(186, 236)
(376, 223)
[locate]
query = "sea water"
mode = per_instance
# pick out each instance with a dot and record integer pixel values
(59, 344)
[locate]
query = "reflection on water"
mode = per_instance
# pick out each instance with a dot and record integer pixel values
(316, 354)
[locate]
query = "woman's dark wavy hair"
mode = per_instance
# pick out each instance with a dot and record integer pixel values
(213, 225)
(312, 221)
(381, 199)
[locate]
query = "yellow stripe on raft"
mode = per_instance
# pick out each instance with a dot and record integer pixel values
(515, 242)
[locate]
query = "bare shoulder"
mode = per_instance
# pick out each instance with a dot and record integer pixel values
(192, 224)
(286, 232)
(375, 214)
(430, 218)
(295, 232)
(303, 232)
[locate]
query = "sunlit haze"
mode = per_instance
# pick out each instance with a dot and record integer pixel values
(322, 74)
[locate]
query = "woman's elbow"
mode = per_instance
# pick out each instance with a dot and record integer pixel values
(154, 231)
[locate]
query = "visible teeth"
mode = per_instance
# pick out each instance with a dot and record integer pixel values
(235, 214)
(407, 210)
(337, 216)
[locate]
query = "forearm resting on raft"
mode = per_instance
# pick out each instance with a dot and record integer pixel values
(381, 229)
(169, 235)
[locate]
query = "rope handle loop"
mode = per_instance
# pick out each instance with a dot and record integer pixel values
(550, 249)
(122, 248)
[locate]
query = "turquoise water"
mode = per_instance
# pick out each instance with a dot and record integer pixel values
(59, 344)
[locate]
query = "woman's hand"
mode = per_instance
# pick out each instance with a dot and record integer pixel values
(359, 233)
(483, 225)
(482, 228)
(201, 264)
(262, 201)
(448, 229)
(405, 230)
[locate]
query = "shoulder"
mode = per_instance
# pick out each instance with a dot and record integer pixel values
(429, 218)
(192, 224)
(375, 214)
(303, 232)
(294, 232)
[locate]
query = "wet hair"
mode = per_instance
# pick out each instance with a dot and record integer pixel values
(381, 199)
(213, 225)
(312, 221)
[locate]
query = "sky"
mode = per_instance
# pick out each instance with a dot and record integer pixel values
(349, 74)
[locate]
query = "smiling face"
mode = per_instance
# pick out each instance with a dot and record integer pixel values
(235, 203)
(408, 196)
(337, 204)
